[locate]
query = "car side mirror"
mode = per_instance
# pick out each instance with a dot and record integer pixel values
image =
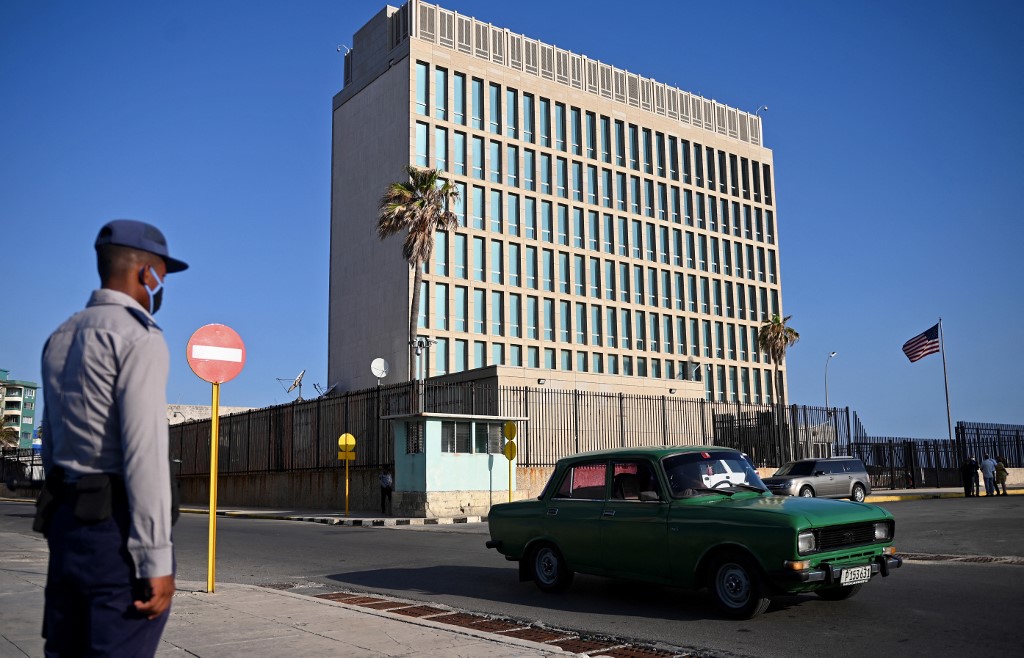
(649, 496)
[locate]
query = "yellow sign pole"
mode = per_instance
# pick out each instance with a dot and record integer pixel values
(346, 452)
(510, 452)
(214, 441)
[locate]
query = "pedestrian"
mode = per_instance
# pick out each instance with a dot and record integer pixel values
(974, 476)
(1001, 474)
(106, 506)
(967, 477)
(387, 484)
(988, 471)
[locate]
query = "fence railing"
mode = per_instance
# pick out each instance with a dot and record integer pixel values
(303, 435)
(20, 468)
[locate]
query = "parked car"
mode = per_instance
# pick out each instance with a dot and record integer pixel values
(834, 477)
(695, 516)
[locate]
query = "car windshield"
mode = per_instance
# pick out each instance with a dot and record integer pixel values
(715, 471)
(796, 468)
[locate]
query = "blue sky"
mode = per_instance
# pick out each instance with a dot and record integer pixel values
(895, 129)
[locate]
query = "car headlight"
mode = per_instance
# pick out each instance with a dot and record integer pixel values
(805, 542)
(882, 532)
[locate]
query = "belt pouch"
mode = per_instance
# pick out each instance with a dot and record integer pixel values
(93, 498)
(49, 497)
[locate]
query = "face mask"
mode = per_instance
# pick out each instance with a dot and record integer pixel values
(156, 294)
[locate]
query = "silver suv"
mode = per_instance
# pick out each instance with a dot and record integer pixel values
(834, 477)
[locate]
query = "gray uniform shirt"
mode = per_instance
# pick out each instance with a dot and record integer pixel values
(105, 388)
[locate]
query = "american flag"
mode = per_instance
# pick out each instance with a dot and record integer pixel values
(922, 344)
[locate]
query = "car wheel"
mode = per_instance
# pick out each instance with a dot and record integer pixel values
(807, 492)
(858, 493)
(736, 587)
(837, 593)
(549, 570)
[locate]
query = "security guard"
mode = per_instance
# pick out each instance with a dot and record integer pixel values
(106, 507)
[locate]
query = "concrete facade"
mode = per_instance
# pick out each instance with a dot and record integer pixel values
(632, 240)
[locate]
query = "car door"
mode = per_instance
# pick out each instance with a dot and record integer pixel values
(831, 472)
(573, 514)
(634, 523)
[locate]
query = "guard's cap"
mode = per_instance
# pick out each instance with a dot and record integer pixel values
(139, 235)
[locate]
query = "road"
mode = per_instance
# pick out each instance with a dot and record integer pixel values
(932, 607)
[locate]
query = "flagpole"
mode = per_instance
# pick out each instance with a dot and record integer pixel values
(945, 378)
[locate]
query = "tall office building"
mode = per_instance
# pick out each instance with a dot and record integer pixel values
(611, 227)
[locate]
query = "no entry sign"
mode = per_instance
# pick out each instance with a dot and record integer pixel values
(215, 353)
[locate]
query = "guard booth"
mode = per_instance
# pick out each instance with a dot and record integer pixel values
(449, 465)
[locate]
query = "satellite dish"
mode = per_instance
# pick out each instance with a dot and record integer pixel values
(297, 384)
(379, 368)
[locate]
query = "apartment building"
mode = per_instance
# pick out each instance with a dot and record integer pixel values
(18, 400)
(609, 226)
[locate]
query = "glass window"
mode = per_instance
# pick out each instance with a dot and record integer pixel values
(495, 162)
(478, 259)
(441, 306)
(477, 207)
(513, 214)
(441, 94)
(531, 267)
(441, 253)
(513, 265)
(528, 120)
(564, 322)
(531, 319)
(460, 256)
(512, 165)
(496, 211)
(545, 122)
(441, 357)
(497, 269)
(495, 115)
(422, 145)
(560, 126)
(606, 139)
(460, 354)
(548, 269)
(460, 322)
(549, 319)
(459, 99)
(459, 147)
(477, 104)
(441, 149)
(512, 114)
(479, 312)
(575, 130)
(515, 315)
(422, 87)
(477, 161)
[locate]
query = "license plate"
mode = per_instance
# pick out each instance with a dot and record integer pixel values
(855, 575)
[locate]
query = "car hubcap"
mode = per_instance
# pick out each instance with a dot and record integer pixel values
(547, 566)
(858, 494)
(807, 493)
(734, 585)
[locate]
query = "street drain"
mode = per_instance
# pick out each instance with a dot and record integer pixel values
(974, 559)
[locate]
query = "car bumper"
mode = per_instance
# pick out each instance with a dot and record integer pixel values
(829, 574)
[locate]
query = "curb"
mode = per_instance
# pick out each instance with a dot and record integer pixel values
(342, 521)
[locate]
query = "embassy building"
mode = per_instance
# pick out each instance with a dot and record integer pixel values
(614, 233)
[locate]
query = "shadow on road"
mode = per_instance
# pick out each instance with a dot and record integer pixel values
(587, 594)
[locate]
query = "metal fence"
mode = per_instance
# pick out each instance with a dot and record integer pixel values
(899, 462)
(303, 435)
(20, 468)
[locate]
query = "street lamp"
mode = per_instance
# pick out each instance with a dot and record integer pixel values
(831, 354)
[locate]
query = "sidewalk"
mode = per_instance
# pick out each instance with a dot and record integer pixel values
(245, 620)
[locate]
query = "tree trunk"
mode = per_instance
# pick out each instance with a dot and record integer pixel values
(414, 315)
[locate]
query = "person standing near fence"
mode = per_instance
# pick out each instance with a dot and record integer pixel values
(967, 477)
(1001, 474)
(106, 506)
(988, 471)
(387, 484)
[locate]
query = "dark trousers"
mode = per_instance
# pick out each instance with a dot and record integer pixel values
(385, 499)
(90, 589)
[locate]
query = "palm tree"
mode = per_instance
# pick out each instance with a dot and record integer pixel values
(9, 437)
(774, 338)
(419, 207)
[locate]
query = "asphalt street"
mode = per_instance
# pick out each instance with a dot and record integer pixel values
(938, 604)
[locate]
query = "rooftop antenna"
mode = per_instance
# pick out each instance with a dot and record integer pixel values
(296, 384)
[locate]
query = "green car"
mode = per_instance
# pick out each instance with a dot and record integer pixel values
(692, 517)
